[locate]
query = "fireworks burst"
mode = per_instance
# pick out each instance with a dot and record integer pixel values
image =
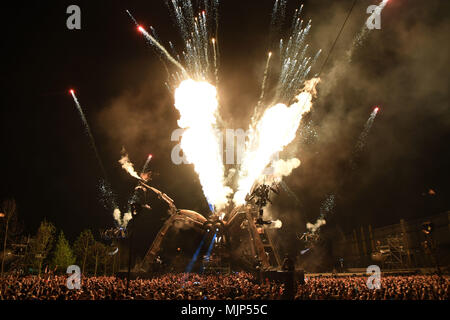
(196, 100)
(295, 64)
(273, 126)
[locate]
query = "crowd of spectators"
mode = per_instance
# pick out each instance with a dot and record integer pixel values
(166, 287)
(416, 287)
(235, 286)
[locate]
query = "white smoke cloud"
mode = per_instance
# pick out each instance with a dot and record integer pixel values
(276, 224)
(316, 226)
(126, 218)
(117, 216)
(283, 168)
(122, 222)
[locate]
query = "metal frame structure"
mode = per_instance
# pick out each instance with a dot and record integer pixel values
(393, 252)
(251, 213)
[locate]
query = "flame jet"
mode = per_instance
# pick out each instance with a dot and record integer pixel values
(275, 130)
(197, 104)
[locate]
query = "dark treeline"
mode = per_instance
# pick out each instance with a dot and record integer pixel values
(48, 250)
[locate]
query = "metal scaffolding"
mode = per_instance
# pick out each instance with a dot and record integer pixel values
(393, 250)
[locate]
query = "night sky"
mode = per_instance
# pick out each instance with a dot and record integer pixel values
(48, 166)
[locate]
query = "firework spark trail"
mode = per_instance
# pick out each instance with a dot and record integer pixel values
(216, 20)
(132, 18)
(156, 41)
(198, 107)
(328, 204)
(295, 64)
(363, 137)
(362, 35)
(88, 132)
(256, 111)
(275, 130)
(216, 71)
(153, 41)
(107, 195)
(277, 19)
(144, 168)
(195, 31)
(263, 85)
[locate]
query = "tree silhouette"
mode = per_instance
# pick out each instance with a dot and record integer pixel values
(82, 247)
(63, 255)
(42, 243)
(7, 213)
